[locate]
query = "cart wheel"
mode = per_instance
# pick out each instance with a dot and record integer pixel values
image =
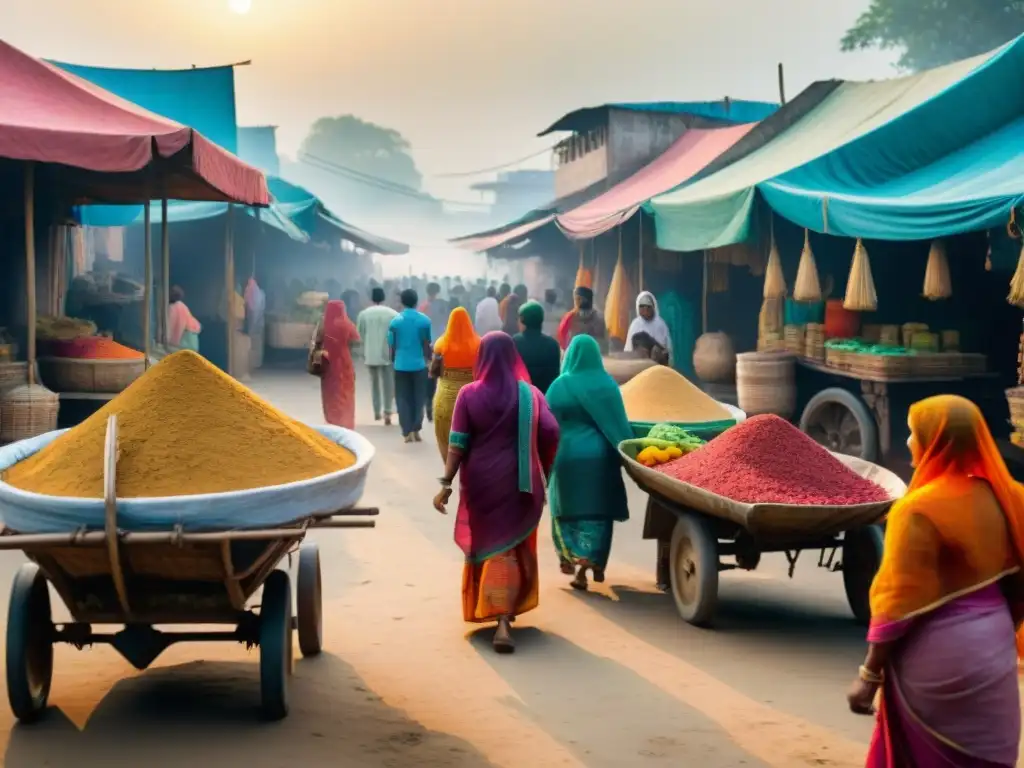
(29, 644)
(693, 559)
(862, 554)
(839, 420)
(276, 644)
(310, 602)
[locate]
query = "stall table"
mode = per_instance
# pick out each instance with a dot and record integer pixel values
(865, 415)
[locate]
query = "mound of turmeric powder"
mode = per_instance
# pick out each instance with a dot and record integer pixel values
(661, 394)
(184, 428)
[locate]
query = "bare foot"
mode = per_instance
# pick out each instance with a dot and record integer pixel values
(580, 582)
(503, 642)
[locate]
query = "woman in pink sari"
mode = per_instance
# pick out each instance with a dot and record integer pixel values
(502, 444)
(182, 328)
(337, 334)
(946, 603)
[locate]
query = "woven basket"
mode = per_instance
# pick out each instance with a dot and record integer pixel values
(284, 335)
(69, 374)
(951, 341)
(909, 329)
(814, 342)
(27, 411)
(13, 375)
(839, 358)
(1015, 399)
(883, 366)
(889, 335)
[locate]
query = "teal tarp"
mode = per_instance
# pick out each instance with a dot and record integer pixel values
(257, 145)
(861, 134)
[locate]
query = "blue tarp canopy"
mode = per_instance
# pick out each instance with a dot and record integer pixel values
(726, 111)
(911, 158)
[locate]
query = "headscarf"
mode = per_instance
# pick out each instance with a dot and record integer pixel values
(510, 325)
(338, 327)
(656, 327)
(531, 314)
(502, 377)
(953, 449)
(460, 343)
(487, 317)
(585, 381)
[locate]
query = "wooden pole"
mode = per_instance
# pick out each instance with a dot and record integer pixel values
(782, 85)
(704, 297)
(147, 289)
(30, 266)
(229, 285)
(165, 271)
(640, 268)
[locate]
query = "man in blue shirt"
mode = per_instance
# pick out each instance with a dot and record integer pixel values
(409, 339)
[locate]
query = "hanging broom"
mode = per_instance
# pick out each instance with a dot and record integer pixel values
(937, 284)
(808, 287)
(774, 280)
(860, 286)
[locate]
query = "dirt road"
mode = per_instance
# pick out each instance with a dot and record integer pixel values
(611, 678)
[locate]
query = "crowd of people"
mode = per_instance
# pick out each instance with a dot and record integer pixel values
(520, 416)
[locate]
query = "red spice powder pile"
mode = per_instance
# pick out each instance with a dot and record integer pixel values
(768, 460)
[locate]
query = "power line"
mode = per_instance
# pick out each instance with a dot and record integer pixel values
(493, 168)
(379, 183)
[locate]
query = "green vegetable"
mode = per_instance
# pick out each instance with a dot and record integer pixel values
(673, 434)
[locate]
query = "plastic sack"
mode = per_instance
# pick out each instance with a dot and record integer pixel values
(268, 507)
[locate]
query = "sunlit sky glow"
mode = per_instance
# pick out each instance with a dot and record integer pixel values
(469, 82)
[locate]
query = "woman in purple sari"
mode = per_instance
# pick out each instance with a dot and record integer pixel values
(502, 444)
(946, 603)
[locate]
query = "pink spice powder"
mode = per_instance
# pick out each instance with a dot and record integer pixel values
(768, 460)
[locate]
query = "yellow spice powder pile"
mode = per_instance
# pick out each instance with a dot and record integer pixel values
(661, 394)
(184, 428)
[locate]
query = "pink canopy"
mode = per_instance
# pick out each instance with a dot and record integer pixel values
(53, 117)
(485, 242)
(691, 153)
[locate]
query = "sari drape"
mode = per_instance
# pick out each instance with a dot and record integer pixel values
(457, 348)
(946, 595)
(338, 380)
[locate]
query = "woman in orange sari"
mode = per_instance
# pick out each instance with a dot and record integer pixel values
(336, 335)
(946, 603)
(452, 366)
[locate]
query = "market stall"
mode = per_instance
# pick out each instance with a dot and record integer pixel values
(66, 142)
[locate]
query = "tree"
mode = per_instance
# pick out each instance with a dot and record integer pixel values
(934, 32)
(360, 168)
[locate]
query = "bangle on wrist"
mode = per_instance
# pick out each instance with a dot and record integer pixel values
(869, 676)
(445, 482)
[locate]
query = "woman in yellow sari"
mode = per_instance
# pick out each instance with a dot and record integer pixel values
(454, 357)
(946, 603)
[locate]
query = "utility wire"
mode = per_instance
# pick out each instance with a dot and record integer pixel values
(379, 183)
(493, 168)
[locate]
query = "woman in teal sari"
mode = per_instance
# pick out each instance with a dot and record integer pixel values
(586, 492)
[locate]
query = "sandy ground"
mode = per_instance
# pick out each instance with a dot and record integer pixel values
(611, 678)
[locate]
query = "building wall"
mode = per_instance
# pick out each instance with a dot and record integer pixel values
(581, 172)
(637, 138)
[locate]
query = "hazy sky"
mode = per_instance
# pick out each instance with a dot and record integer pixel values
(469, 82)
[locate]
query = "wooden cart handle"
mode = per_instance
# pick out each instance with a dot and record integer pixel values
(110, 450)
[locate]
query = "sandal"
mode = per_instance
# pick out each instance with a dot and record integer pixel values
(567, 567)
(580, 582)
(599, 575)
(503, 642)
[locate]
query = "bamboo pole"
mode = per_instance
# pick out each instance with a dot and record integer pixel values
(782, 85)
(147, 289)
(229, 285)
(30, 266)
(165, 271)
(704, 297)
(640, 268)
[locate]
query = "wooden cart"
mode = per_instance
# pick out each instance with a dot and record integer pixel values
(144, 579)
(695, 529)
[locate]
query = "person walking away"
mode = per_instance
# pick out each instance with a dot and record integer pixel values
(504, 293)
(650, 322)
(502, 444)
(540, 354)
(583, 319)
(946, 601)
(182, 328)
(335, 336)
(409, 339)
(487, 317)
(510, 320)
(437, 310)
(587, 493)
(373, 325)
(452, 368)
